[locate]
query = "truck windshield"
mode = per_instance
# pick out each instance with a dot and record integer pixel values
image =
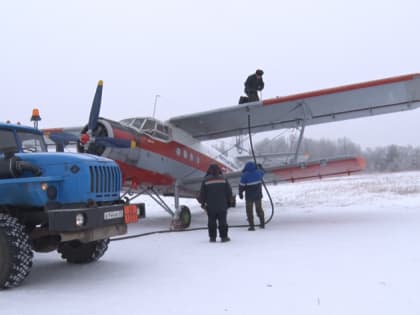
(31, 142)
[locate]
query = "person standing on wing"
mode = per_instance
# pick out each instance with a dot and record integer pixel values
(253, 84)
(215, 197)
(251, 183)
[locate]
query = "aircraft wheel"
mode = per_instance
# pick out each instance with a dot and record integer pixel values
(76, 252)
(185, 217)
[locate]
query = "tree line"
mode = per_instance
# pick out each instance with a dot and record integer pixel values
(392, 158)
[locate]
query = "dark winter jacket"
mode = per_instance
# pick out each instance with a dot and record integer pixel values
(251, 182)
(253, 84)
(215, 193)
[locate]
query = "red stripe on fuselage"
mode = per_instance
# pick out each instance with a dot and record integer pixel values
(186, 156)
(138, 176)
(343, 88)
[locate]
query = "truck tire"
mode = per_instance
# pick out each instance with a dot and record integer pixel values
(76, 252)
(15, 252)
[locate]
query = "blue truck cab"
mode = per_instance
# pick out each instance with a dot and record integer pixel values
(69, 202)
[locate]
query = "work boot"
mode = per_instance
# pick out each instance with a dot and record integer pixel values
(261, 217)
(225, 239)
(212, 240)
(251, 223)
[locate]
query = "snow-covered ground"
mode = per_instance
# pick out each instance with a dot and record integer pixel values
(346, 245)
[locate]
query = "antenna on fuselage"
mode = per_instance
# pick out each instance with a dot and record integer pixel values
(154, 106)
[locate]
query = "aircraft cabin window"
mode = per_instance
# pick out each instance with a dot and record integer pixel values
(149, 125)
(161, 128)
(178, 151)
(161, 132)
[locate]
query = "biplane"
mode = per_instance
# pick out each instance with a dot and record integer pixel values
(170, 158)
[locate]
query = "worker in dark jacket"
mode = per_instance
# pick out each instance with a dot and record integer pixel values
(215, 197)
(251, 182)
(253, 84)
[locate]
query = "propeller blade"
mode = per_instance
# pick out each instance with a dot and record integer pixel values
(112, 142)
(96, 107)
(63, 138)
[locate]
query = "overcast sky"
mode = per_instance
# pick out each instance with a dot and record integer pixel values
(197, 54)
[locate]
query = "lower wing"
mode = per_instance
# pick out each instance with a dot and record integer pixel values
(295, 172)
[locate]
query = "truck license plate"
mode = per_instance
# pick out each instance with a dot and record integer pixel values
(110, 215)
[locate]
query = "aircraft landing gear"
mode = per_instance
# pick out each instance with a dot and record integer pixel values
(185, 216)
(181, 215)
(183, 220)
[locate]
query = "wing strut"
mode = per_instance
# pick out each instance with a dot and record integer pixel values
(302, 130)
(307, 114)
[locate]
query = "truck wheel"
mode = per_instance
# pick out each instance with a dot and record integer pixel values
(76, 252)
(185, 217)
(15, 252)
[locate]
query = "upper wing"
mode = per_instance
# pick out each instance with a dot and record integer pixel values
(330, 105)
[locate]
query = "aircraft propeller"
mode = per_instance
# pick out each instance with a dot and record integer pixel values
(94, 137)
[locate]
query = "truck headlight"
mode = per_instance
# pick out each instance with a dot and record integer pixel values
(80, 219)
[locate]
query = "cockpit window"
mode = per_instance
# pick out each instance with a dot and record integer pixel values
(149, 126)
(126, 122)
(138, 122)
